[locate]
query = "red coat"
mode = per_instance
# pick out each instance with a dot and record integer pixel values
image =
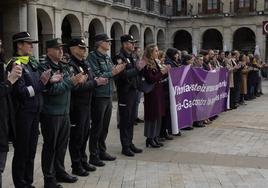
(154, 102)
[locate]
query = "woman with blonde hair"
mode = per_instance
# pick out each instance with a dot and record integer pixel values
(154, 105)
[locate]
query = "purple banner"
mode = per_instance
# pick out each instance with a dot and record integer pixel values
(196, 94)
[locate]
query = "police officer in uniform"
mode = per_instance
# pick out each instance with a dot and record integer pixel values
(102, 66)
(27, 100)
(127, 84)
(55, 121)
(80, 107)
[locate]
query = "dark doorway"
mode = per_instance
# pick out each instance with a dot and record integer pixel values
(244, 40)
(183, 41)
(212, 39)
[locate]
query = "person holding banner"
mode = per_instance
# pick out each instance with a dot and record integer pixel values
(171, 59)
(154, 105)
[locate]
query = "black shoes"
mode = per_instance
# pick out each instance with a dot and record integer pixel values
(134, 149)
(138, 120)
(157, 142)
(187, 128)
(88, 167)
(107, 157)
(80, 172)
(199, 124)
(150, 143)
(165, 137)
(96, 162)
(127, 152)
(178, 134)
(168, 137)
(66, 178)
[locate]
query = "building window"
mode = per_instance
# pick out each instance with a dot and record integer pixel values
(244, 3)
(266, 4)
(244, 6)
(180, 7)
(212, 4)
(162, 7)
(136, 3)
(150, 5)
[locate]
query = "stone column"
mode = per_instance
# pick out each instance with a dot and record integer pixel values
(261, 41)
(227, 39)
(155, 35)
(108, 30)
(32, 25)
(196, 43)
(142, 37)
(57, 23)
(126, 27)
(85, 22)
(23, 17)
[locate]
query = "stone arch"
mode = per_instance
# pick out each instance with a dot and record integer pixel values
(134, 31)
(183, 40)
(45, 30)
(70, 27)
(212, 39)
(95, 27)
(244, 39)
(161, 39)
(148, 36)
(116, 33)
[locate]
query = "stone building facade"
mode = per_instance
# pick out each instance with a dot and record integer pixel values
(185, 24)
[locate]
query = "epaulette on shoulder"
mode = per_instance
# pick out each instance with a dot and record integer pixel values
(12, 60)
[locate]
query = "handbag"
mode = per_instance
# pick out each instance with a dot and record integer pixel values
(145, 86)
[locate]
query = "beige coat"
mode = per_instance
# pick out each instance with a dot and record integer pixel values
(230, 67)
(244, 85)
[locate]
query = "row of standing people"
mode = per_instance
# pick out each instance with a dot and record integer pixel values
(60, 94)
(64, 97)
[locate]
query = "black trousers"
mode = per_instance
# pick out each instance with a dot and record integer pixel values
(166, 123)
(127, 116)
(55, 130)
(3, 158)
(101, 110)
(79, 135)
(232, 97)
(25, 148)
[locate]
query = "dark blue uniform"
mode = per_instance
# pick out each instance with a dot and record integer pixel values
(127, 89)
(80, 114)
(27, 99)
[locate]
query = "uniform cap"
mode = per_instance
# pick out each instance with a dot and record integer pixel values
(102, 37)
(77, 42)
(23, 37)
(54, 43)
(128, 38)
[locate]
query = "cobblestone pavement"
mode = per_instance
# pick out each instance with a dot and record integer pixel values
(230, 153)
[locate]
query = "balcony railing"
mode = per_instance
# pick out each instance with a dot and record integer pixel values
(119, 1)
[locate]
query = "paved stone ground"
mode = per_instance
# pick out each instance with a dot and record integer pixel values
(230, 153)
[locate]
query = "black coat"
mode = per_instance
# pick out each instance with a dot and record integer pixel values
(82, 93)
(7, 119)
(23, 98)
(130, 77)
